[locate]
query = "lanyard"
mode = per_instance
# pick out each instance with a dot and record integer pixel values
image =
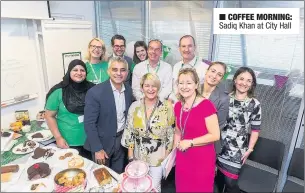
(188, 114)
(148, 119)
(157, 67)
(191, 65)
(96, 78)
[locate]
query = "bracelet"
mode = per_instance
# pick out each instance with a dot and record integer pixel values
(192, 143)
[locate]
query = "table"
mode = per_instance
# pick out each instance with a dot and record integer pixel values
(23, 183)
(9, 156)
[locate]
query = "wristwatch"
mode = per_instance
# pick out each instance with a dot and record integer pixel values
(192, 143)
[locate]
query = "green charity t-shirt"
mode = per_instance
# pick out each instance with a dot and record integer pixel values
(70, 125)
(97, 73)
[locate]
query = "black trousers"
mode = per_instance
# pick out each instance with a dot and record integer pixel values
(117, 156)
(226, 184)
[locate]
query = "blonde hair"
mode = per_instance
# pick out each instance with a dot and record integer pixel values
(103, 56)
(153, 77)
(194, 76)
(117, 59)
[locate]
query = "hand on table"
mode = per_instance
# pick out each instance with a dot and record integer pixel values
(61, 143)
(100, 157)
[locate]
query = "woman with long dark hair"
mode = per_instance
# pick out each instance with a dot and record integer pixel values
(140, 52)
(244, 119)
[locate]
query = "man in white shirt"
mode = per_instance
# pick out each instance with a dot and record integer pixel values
(153, 65)
(187, 48)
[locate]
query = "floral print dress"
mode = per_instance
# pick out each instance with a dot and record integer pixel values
(150, 143)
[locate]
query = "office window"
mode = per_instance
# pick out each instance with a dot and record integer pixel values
(169, 20)
(120, 17)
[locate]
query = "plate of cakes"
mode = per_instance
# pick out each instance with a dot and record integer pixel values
(39, 136)
(104, 177)
(42, 154)
(26, 147)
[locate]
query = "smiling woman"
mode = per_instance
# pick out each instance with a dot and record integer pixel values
(65, 108)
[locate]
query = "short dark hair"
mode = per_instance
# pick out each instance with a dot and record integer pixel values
(253, 86)
(187, 36)
(118, 37)
(139, 44)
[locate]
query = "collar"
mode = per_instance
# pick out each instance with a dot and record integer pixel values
(191, 63)
(114, 89)
(113, 55)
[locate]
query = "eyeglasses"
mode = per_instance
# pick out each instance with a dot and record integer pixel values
(117, 46)
(96, 47)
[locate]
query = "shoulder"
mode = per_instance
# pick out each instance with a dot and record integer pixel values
(128, 87)
(134, 105)
(104, 62)
(222, 95)
(140, 65)
(255, 101)
(56, 93)
(177, 106)
(127, 58)
(177, 66)
(99, 87)
(165, 64)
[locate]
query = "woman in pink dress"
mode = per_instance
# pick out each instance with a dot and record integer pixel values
(197, 130)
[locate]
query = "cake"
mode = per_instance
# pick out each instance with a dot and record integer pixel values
(8, 169)
(102, 176)
(37, 135)
(29, 143)
(76, 162)
(5, 134)
(6, 177)
(38, 170)
(40, 152)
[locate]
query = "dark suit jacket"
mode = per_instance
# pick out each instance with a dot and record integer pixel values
(129, 76)
(100, 117)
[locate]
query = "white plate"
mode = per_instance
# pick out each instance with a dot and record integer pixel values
(32, 161)
(56, 162)
(45, 133)
(108, 187)
(5, 186)
(20, 146)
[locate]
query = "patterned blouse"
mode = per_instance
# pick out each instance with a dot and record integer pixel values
(150, 145)
(244, 117)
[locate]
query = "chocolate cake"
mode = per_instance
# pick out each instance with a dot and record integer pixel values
(38, 170)
(29, 143)
(5, 134)
(37, 135)
(40, 152)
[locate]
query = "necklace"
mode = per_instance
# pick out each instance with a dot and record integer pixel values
(147, 119)
(158, 66)
(191, 65)
(187, 116)
(97, 80)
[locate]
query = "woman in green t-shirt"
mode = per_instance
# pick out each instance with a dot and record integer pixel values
(65, 104)
(97, 64)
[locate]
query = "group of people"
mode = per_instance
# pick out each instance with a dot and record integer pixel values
(115, 110)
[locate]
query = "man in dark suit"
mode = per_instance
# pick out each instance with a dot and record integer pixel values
(118, 44)
(106, 107)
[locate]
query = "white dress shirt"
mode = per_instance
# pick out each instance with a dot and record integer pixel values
(164, 72)
(196, 63)
(119, 98)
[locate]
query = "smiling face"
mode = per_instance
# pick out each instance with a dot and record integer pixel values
(78, 74)
(150, 89)
(141, 53)
(154, 51)
(187, 48)
(96, 49)
(118, 47)
(186, 85)
(214, 74)
(243, 82)
(117, 72)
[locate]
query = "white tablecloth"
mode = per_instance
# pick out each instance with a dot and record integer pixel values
(22, 184)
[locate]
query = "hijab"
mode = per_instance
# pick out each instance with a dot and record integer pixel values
(73, 93)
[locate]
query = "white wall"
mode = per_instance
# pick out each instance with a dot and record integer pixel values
(74, 10)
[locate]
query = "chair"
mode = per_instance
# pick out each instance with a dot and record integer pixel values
(267, 152)
(295, 170)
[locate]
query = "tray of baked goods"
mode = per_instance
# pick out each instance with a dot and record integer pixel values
(104, 178)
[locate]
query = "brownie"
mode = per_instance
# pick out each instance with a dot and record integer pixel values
(37, 135)
(5, 134)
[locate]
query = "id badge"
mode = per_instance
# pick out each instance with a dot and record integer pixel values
(81, 119)
(231, 133)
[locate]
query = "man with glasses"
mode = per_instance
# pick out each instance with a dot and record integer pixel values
(118, 44)
(187, 48)
(153, 65)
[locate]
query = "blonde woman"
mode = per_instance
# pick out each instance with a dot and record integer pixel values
(150, 128)
(97, 64)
